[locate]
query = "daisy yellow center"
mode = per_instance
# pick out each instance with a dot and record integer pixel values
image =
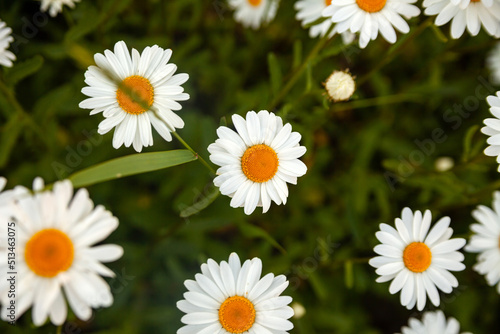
(255, 2)
(371, 6)
(259, 163)
(142, 88)
(49, 252)
(237, 314)
(417, 257)
(328, 2)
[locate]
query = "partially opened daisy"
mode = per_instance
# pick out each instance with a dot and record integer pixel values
(257, 161)
(470, 14)
(417, 260)
(309, 11)
(56, 6)
(56, 260)
(151, 78)
(254, 13)
(6, 57)
(493, 64)
(233, 298)
(432, 323)
(369, 17)
(486, 241)
(492, 128)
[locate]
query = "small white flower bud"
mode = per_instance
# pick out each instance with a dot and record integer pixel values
(340, 85)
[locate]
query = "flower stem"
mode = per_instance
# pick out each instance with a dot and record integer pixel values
(298, 72)
(186, 145)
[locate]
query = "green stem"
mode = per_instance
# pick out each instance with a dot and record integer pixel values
(186, 145)
(59, 329)
(376, 101)
(395, 49)
(298, 72)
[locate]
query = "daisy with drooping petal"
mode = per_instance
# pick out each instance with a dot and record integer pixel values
(55, 234)
(6, 57)
(470, 14)
(309, 11)
(56, 6)
(231, 298)
(485, 241)
(253, 13)
(432, 322)
(368, 17)
(257, 161)
(493, 64)
(417, 260)
(492, 128)
(151, 78)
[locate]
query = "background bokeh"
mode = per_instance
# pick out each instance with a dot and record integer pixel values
(368, 158)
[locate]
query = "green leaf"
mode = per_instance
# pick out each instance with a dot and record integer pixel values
(86, 24)
(275, 72)
(23, 69)
(10, 133)
(349, 275)
(468, 142)
(253, 231)
(205, 200)
(130, 165)
(297, 53)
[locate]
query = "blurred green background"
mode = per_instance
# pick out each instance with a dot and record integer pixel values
(368, 158)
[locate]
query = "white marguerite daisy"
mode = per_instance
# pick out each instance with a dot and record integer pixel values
(257, 161)
(254, 13)
(231, 298)
(492, 128)
(417, 260)
(56, 6)
(493, 64)
(486, 241)
(55, 236)
(309, 11)
(6, 57)
(151, 78)
(432, 323)
(368, 17)
(463, 14)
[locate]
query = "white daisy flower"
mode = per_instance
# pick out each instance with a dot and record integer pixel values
(432, 322)
(257, 161)
(485, 241)
(493, 64)
(55, 6)
(492, 128)
(417, 260)
(463, 14)
(55, 236)
(232, 298)
(309, 11)
(253, 13)
(151, 78)
(368, 17)
(6, 57)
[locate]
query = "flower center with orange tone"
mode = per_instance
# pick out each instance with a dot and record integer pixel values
(237, 314)
(417, 257)
(328, 2)
(49, 252)
(371, 6)
(255, 3)
(143, 90)
(259, 163)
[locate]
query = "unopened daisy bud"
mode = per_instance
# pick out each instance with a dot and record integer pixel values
(443, 164)
(340, 86)
(298, 309)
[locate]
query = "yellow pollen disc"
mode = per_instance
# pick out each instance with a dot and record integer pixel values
(328, 2)
(259, 163)
(417, 257)
(49, 252)
(142, 88)
(237, 314)
(255, 2)
(371, 6)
